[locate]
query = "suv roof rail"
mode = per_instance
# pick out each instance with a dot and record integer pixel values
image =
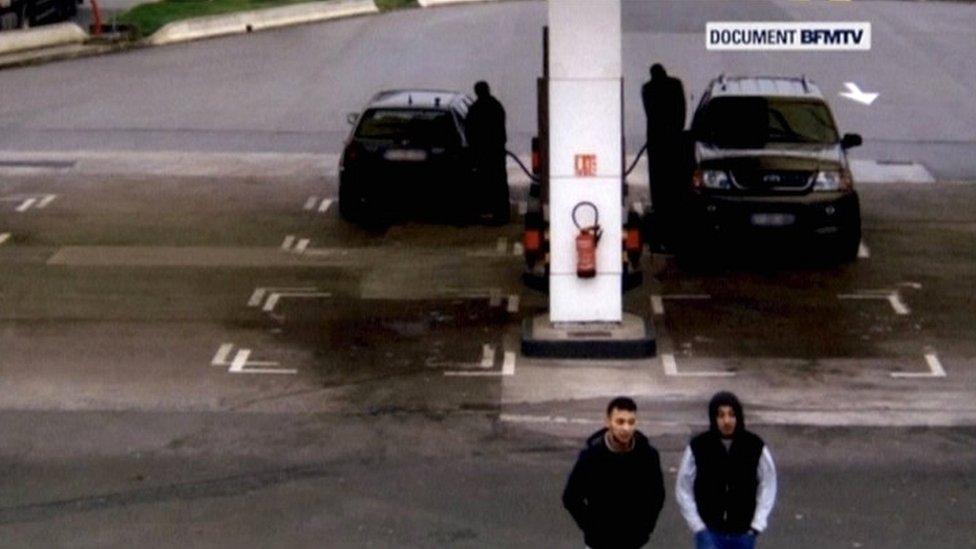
(721, 80)
(806, 83)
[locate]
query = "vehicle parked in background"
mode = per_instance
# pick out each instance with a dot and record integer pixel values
(407, 155)
(17, 14)
(768, 164)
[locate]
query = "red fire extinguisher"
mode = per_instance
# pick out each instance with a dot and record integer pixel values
(586, 242)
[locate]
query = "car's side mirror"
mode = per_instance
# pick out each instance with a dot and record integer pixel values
(352, 118)
(851, 140)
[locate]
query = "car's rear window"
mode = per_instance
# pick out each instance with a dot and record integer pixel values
(427, 127)
(754, 122)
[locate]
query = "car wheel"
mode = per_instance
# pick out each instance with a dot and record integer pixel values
(350, 204)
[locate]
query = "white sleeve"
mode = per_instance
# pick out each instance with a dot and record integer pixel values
(766, 493)
(685, 492)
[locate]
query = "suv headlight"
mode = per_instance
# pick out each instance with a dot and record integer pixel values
(833, 180)
(711, 179)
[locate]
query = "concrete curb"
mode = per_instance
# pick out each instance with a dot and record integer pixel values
(60, 34)
(434, 3)
(247, 21)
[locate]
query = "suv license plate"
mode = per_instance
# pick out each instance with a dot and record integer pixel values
(772, 219)
(405, 155)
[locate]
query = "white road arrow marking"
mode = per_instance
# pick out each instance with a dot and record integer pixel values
(854, 93)
(310, 203)
(324, 206)
(25, 205)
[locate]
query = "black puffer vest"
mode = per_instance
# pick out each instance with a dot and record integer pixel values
(726, 480)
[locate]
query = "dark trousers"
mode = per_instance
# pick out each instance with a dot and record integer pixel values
(492, 175)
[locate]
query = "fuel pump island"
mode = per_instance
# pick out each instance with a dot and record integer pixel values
(581, 190)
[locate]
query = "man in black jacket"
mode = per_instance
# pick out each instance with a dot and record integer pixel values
(485, 131)
(726, 484)
(663, 97)
(615, 491)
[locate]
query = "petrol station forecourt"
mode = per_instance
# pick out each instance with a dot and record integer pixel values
(168, 259)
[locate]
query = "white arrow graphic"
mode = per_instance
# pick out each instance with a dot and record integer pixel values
(854, 93)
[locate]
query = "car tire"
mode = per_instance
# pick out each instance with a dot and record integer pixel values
(350, 204)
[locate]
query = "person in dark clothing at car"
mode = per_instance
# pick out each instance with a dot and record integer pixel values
(485, 131)
(726, 484)
(615, 491)
(664, 105)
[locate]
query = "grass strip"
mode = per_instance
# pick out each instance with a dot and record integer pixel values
(148, 18)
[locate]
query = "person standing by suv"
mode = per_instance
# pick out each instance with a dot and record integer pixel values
(726, 484)
(616, 490)
(664, 105)
(485, 131)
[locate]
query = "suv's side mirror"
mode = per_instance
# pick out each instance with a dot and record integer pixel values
(850, 140)
(352, 118)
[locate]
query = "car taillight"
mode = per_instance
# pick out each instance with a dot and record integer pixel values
(350, 153)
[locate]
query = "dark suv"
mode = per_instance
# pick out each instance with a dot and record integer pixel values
(769, 164)
(406, 154)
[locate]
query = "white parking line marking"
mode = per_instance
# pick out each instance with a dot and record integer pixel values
(240, 365)
(48, 198)
(893, 298)
(513, 303)
(508, 366)
(671, 369)
(524, 418)
(220, 359)
(501, 245)
(289, 240)
(897, 304)
(25, 205)
(935, 369)
(324, 206)
(271, 303)
(495, 297)
(256, 297)
(302, 244)
(310, 203)
(487, 356)
(657, 305)
(4, 237)
(269, 306)
(862, 251)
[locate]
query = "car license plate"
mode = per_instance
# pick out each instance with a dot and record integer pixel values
(405, 155)
(772, 219)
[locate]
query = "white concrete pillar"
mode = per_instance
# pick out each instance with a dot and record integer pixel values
(585, 155)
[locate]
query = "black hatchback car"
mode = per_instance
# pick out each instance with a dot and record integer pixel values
(406, 155)
(770, 165)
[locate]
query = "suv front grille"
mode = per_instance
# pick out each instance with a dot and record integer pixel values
(772, 180)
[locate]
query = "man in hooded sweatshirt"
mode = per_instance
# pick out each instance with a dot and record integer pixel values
(616, 490)
(726, 484)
